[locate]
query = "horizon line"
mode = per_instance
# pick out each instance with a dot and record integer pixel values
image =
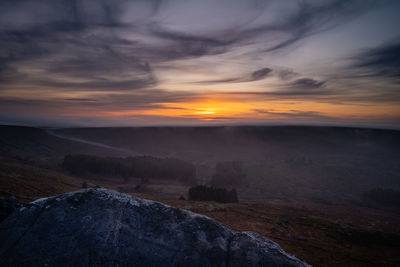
(326, 125)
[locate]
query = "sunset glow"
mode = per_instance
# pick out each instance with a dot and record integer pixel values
(189, 63)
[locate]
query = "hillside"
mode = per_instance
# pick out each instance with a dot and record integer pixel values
(330, 164)
(35, 145)
(304, 185)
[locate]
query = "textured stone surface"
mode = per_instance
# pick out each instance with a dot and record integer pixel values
(7, 206)
(99, 227)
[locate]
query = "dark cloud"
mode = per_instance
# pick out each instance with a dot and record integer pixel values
(300, 88)
(219, 118)
(72, 15)
(304, 88)
(80, 99)
(100, 84)
(306, 84)
(308, 19)
(228, 80)
(286, 74)
(294, 114)
(252, 77)
(79, 111)
(72, 41)
(260, 74)
(9, 74)
(69, 42)
(134, 100)
(312, 18)
(383, 61)
(328, 94)
(182, 45)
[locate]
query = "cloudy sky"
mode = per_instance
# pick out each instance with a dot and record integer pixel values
(182, 62)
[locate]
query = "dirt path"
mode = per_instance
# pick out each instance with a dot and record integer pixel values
(119, 149)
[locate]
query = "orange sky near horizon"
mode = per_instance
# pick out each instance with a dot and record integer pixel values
(222, 108)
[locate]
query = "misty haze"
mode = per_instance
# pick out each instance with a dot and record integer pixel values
(199, 133)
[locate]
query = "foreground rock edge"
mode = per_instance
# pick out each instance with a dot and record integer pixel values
(100, 227)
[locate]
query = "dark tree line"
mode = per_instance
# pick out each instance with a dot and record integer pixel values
(144, 167)
(205, 193)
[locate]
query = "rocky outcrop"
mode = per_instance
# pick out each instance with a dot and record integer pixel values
(99, 227)
(7, 206)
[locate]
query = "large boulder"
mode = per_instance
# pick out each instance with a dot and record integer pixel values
(7, 206)
(99, 227)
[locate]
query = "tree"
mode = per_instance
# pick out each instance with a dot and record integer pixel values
(143, 167)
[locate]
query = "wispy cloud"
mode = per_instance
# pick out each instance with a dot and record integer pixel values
(99, 42)
(383, 61)
(294, 114)
(306, 84)
(249, 77)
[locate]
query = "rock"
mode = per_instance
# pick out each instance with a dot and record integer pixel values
(12, 200)
(251, 249)
(7, 206)
(99, 227)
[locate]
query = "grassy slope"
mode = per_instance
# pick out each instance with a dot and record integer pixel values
(28, 183)
(34, 145)
(336, 235)
(331, 240)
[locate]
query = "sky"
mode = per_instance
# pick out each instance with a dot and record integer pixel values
(67, 63)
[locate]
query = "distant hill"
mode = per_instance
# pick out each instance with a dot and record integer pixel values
(200, 140)
(323, 163)
(34, 145)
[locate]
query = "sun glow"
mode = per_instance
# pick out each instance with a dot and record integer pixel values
(205, 112)
(210, 109)
(224, 108)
